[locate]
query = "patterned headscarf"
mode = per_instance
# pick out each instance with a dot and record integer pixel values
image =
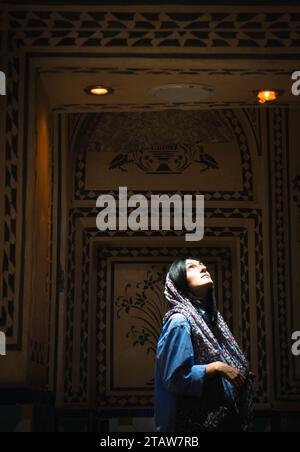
(213, 345)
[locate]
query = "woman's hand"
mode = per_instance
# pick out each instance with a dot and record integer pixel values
(230, 373)
(233, 375)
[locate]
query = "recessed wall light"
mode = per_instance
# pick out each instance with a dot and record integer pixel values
(268, 95)
(98, 90)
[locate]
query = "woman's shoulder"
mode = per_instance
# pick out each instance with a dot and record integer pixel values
(176, 326)
(177, 320)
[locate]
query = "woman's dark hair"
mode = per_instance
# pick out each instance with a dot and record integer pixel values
(177, 273)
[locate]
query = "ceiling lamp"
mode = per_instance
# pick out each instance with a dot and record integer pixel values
(267, 96)
(98, 90)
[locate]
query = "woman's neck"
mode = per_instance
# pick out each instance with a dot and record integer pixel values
(198, 301)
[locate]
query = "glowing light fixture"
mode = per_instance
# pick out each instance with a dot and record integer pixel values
(98, 90)
(267, 96)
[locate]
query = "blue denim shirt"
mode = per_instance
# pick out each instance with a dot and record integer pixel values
(176, 373)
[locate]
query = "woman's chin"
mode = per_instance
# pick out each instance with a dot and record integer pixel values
(209, 282)
(202, 285)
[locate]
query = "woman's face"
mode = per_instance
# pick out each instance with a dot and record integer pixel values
(198, 277)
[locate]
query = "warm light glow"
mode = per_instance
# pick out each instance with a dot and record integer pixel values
(98, 90)
(267, 96)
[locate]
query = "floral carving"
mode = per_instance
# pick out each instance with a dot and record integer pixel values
(145, 302)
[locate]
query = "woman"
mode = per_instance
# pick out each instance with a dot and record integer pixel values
(202, 379)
